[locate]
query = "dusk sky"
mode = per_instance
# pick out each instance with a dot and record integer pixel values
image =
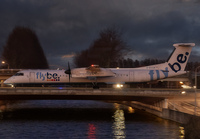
(64, 27)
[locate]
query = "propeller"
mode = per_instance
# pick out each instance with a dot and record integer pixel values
(68, 71)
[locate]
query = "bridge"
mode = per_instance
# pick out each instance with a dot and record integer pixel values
(148, 96)
(174, 104)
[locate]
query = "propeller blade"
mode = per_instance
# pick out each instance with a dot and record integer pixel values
(69, 68)
(68, 71)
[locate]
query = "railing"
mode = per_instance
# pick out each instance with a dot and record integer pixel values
(8, 71)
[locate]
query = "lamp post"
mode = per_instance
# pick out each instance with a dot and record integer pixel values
(3, 62)
(195, 108)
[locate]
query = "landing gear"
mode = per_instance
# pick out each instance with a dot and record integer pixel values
(95, 86)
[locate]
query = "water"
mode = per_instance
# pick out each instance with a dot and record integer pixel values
(82, 120)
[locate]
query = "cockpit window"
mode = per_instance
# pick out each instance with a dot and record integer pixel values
(19, 74)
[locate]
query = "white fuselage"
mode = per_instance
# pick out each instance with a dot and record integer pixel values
(59, 76)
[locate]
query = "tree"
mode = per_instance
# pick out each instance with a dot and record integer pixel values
(23, 50)
(105, 51)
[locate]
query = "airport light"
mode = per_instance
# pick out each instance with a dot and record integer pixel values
(3, 62)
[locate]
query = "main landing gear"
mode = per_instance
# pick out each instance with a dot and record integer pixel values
(95, 86)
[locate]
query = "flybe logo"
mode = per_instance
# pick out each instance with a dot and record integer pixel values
(47, 76)
(181, 58)
(157, 72)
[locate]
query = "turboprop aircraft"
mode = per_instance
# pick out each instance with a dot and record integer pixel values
(174, 66)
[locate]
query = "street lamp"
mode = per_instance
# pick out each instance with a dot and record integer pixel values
(3, 62)
(195, 109)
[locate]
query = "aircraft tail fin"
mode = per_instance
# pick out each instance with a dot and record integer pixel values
(179, 57)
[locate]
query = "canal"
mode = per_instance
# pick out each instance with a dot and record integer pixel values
(65, 119)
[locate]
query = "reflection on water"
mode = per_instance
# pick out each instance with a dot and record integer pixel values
(91, 131)
(182, 132)
(82, 119)
(131, 110)
(119, 123)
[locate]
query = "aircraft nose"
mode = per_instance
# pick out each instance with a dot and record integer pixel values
(8, 81)
(5, 82)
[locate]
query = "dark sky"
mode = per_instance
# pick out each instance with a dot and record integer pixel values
(64, 27)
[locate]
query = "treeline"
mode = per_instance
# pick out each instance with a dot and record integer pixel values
(191, 66)
(130, 63)
(109, 51)
(23, 50)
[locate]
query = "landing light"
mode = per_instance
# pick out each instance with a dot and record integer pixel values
(184, 85)
(183, 92)
(119, 85)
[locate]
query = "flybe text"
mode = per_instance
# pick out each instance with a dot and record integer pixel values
(47, 76)
(157, 74)
(181, 59)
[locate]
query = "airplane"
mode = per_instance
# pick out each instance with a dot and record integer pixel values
(174, 66)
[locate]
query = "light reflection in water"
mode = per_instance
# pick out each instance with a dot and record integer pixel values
(131, 110)
(119, 124)
(92, 131)
(182, 132)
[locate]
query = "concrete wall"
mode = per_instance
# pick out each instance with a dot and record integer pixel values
(164, 113)
(176, 116)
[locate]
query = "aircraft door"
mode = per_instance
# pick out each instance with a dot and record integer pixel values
(32, 77)
(131, 76)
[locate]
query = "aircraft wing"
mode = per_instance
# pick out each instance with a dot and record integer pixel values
(92, 72)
